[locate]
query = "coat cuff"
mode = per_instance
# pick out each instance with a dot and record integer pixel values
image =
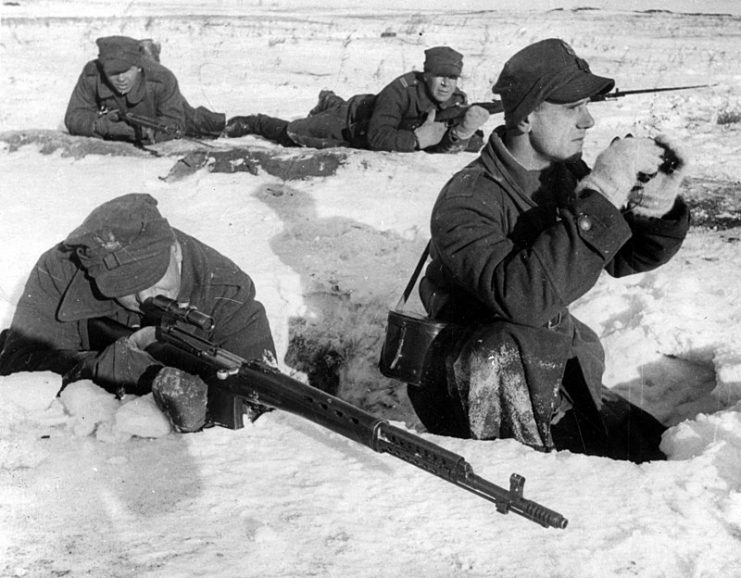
(599, 224)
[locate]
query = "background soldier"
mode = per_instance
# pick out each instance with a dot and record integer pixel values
(400, 118)
(127, 78)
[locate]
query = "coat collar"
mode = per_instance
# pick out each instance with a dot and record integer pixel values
(501, 166)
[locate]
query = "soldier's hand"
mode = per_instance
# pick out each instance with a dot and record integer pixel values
(142, 338)
(656, 197)
(474, 118)
(430, 132)
(149, 135)
(110, 126)
(616, 168)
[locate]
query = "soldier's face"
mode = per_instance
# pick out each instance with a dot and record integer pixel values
(123, 82)
(441, 88)
(168, 286)
(557, 131)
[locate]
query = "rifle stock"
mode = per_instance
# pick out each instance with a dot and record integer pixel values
(454, 114)
(234, 382)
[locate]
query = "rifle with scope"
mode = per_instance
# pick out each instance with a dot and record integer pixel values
(234, 382)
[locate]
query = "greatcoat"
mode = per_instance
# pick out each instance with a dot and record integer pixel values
(49, 331)
(511, 250)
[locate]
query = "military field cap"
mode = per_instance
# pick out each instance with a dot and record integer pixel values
(548, 70)
(124, 245)
(443, 61)
(118, 53)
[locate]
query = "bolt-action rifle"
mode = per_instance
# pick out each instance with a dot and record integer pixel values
(454, 114)
(234, 382)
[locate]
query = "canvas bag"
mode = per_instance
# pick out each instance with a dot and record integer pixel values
(409, 340)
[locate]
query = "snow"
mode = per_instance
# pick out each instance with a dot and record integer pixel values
(94, 486)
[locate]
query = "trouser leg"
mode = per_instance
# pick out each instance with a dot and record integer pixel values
(269, 127)
(201, 122)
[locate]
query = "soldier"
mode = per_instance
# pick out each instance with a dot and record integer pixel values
(400, 118)
(127, 77)
(123, 253)
(524, 231)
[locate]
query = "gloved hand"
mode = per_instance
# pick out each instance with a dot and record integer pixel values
(430, 132)
(474, 118)
(120, 366)
(111, 126)
(655, 198)
(149, 135)
(616, 168)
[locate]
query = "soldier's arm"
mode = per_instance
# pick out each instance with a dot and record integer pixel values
(384, 129)
(82, 109)
(653, 241)
(36, 340)
(170, 105)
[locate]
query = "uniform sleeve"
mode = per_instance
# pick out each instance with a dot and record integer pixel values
(242, 325)
(36, 341)
(82, 109)
(384, 132)
(653, 241)
(524, 283)
(170, 106)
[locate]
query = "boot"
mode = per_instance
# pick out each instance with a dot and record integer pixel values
(182, 397)
(269, 127)
(327, 99)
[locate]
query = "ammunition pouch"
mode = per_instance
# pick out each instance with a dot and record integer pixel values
(409, 347)
(413, 341)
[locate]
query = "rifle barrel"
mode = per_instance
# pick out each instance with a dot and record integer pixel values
(620, 93)
(255, 382)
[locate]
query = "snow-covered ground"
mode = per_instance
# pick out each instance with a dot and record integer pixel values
(90, 486)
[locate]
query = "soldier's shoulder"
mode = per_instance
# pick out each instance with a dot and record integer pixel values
(91, 69)
(158, 74)
(468, 182)
(216, 268)
(408, 80)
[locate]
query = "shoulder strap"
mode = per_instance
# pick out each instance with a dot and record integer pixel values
(413, 278)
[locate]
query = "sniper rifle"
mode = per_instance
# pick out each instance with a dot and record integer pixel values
(454, 114)
(234, 382)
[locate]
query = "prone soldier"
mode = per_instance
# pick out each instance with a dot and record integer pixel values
(127, 77)
(400, 118)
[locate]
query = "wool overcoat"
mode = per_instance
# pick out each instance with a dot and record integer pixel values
(512, 249)
(49, 330)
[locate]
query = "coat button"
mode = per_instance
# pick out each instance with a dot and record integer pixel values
(584, 222)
